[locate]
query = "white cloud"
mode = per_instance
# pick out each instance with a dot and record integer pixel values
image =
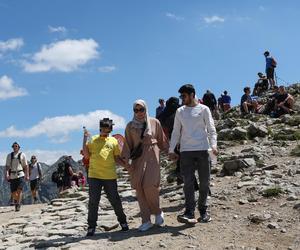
(214, 19)
(107, 69)
(174, 17)
(59, 29)
(261, 8)
(47, 156)
(66, 56)
(11, 44)
(9, 90)
(58, 128)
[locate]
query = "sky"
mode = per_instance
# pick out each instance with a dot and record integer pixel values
(65, 64)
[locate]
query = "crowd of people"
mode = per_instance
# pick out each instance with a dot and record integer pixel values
(279, 102)
(19, 171)
(184, 131)
(65, 177)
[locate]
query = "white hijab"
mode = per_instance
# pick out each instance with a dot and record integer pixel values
(138, 123)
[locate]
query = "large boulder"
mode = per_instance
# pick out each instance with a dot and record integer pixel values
(240, 133)
(232, 166)
(255, 130)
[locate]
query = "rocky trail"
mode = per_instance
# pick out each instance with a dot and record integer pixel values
(255, 201)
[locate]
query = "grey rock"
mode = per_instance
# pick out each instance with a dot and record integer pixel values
(246, 183)
(273, 225)
(292, 198)
(297, 206)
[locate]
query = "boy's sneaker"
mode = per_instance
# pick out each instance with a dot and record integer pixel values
(145, 226)
(187, 217)
(204, 217)
(90, 231)
(124, 227)
(159, 219)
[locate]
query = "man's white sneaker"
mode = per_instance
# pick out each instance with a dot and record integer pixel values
(145, 226)
(159, 219)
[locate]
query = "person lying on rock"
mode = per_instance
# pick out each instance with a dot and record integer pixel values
(104, 153)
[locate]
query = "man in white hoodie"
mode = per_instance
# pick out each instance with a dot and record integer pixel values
(195, 131)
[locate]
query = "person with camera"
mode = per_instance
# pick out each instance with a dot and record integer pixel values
(104, 153)
(16, 173)
(144, 138)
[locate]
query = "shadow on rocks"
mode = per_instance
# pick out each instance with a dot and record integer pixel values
(112, 236)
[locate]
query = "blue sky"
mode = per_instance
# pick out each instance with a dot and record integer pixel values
(64, 64)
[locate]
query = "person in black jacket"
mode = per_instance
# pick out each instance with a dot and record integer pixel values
(166, 119)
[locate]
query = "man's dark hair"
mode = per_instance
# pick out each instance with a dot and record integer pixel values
(187, 88)
(225, 92)
(15, 143)
(246, 89)
(267, 53)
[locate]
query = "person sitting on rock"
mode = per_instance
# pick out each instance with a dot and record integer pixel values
(261, 85)
(284, 102)
(225, 101)
(104, 152)
(269, 107)
(247, 103)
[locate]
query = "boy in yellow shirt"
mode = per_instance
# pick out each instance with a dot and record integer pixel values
(103, 152)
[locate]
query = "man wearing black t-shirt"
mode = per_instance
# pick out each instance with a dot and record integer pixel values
(284, 102)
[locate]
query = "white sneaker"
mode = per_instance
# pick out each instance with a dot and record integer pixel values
(145, 226)
(159, 219)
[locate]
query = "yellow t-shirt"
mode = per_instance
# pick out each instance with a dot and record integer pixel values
(102, 162)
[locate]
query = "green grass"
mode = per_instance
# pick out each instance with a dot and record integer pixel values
(272, 192)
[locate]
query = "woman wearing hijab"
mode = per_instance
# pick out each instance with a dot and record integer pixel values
(144, 138)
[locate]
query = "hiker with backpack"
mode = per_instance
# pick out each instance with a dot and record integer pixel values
(104, 153)
(194, 129)
(63, 175)
(271, 64)
(144, 139)
(35, 176)
(16, 173)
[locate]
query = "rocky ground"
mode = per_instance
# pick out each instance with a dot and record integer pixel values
(254, 204)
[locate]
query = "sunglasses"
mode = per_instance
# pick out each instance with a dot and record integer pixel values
(142, 110)
(33, 158)
(182, 96)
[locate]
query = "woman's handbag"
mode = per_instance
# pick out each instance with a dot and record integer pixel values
(138, 150)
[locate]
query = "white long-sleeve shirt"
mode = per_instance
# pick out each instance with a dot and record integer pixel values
(194, 129)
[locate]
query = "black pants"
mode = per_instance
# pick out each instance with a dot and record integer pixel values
(192, 161)
(111, 190)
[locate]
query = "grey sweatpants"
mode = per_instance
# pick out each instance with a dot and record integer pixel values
(190, 162)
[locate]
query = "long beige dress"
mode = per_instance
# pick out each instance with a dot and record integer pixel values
(145, 177)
